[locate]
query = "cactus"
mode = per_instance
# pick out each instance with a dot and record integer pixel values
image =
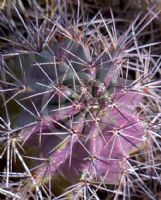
(73, 119)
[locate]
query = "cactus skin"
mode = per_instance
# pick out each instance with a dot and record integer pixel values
(91, 126)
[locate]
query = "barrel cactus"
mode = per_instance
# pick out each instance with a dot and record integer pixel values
(73, 112)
